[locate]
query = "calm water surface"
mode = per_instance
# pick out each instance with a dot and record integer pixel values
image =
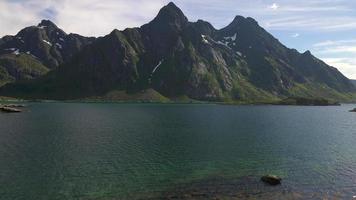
(138, 151)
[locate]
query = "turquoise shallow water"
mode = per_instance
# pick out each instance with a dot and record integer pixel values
(129, 151)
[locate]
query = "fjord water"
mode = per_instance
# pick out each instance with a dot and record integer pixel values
(118, 151)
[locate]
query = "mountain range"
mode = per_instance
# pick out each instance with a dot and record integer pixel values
(167, 58)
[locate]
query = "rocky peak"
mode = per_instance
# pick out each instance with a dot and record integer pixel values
(307, 53)
(51, 29)
(171, 15)
(47, 23)
(240, 21)
(205, 27)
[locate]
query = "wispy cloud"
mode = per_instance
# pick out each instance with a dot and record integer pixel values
(330, 23)
(338, 53)
(295, 35)
(339, 49)
(89, 17)
(336, 46)
(346, 65)
(98, 17)
(333, 43)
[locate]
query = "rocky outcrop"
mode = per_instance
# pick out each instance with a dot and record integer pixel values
(271, 179)
(9, 109)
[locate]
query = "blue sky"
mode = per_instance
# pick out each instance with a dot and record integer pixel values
(326, 27)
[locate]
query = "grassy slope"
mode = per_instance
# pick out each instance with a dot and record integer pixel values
(148, 95)
(5, 76)
(317, 90)
(23, 67)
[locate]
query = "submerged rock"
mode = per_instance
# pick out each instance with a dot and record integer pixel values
(353, 110)
(271, 179)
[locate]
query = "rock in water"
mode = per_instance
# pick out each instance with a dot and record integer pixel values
(353, 110)
(271, 179)
(9, 109)
(15, 106)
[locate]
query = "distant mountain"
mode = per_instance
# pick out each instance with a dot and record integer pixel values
(37, 49)
(182, 59)
(354, 82)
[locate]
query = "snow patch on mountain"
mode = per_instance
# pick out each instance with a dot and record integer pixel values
(21, 40)
(228, 41)
(232, 38)
(159, 64)
(226, 44)
(16, 52)
(223, 43)
(45, 41)
(29, 53)
(204, 39)
(154, 70)
(59, 45)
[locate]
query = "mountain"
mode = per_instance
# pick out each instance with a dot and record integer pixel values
(354, 82)
(182, 59)
(36, 50)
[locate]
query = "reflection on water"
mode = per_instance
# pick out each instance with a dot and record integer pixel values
(110, 151)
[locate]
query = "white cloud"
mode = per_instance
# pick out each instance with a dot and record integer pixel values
(295, 35)
(93, 17)
(274, 6)
(334, 43)
(89, 17)
(15, 16)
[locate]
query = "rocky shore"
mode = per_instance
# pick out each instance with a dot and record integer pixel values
(11, 108)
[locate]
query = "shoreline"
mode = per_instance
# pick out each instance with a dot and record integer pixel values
(172, 103)
(291, 101)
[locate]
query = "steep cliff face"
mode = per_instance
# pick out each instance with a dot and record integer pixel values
(180, 58)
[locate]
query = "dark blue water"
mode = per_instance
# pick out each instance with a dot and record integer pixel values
(131, 151)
